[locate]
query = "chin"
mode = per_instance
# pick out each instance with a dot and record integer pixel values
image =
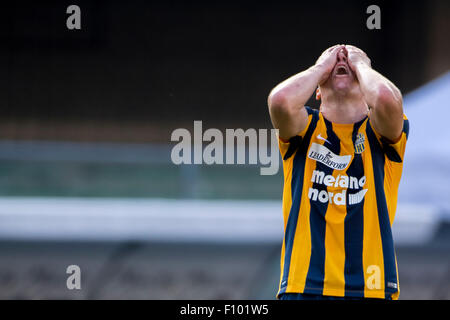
(342, 86)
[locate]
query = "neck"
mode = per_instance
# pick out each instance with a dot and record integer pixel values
(344, 109)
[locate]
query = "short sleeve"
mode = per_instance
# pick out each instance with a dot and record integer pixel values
(285, 144)
(395, 151)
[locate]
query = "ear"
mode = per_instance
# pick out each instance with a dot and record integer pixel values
(318, 95)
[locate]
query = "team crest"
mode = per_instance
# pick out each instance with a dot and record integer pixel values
(359, 143)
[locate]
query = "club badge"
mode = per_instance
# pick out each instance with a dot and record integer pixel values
(359, 143)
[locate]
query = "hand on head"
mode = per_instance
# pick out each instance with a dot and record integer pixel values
(337, 66)
(330, 57)
(355, 56)
(327, 61)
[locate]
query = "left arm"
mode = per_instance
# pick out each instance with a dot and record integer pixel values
(382, 96)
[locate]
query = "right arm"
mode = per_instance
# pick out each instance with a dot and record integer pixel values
(287, 100)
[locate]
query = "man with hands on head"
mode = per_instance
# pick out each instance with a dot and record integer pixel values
(342, 166)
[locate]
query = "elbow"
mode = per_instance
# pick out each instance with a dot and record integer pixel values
(389, 101)
(277, 102)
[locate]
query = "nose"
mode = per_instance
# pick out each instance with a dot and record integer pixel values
(341, 56)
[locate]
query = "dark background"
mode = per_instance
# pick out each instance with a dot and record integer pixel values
(137, 70)
(73, 102)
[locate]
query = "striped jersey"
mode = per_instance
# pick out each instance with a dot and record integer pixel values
(339, 202)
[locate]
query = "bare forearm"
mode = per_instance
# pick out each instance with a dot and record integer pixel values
(287, 100)
(376, 88)
(296, 90)
(384, 99)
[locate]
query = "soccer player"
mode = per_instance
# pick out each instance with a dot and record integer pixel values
(342, 166)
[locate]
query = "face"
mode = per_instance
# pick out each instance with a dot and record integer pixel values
(342, 79)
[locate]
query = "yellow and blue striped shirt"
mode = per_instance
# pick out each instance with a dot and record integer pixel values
(339, 202)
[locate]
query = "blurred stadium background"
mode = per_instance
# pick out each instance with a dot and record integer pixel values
(85, 124)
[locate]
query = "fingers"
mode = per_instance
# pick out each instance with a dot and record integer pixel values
(333, 48)
(345, 50)
(355, 53)
(354, 49)
(329, 56)
(346, 47)
(350, 47)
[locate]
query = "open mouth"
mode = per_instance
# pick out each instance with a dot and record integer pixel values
(341, 70)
